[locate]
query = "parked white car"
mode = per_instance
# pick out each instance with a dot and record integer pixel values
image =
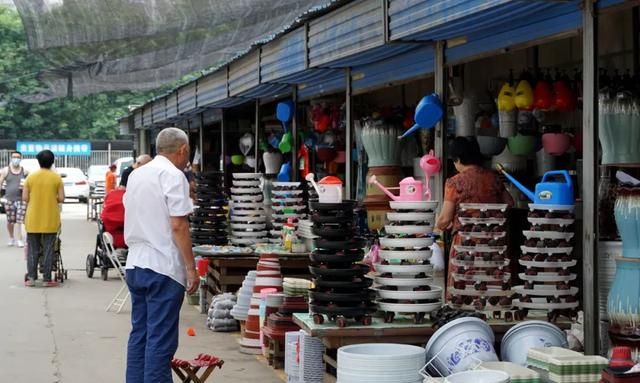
(122, 164)
(76, 184)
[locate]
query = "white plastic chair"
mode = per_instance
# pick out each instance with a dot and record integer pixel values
(123, 294)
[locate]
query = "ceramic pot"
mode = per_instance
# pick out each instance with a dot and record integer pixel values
(507, 123)
(545, 162)
(272, 162)
(511, 162)
(381, 143)
(556, 144)
(627, 214)
(465, 114)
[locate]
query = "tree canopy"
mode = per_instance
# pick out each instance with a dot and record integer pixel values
(90, 117)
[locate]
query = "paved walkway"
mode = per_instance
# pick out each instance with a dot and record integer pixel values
(63, 335)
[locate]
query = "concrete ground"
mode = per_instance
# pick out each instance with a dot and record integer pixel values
(64, 335)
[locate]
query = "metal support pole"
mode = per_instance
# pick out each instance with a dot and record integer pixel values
(257, 133)
(348, 133)
(201, 142)
(222, 150)
(109, 153)
(440, 135)
(294, 132)
(590, 176)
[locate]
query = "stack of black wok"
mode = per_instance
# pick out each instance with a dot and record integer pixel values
(208, 222)
(341, 288)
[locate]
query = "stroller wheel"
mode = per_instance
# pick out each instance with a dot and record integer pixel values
(104, 272)
(90, 265)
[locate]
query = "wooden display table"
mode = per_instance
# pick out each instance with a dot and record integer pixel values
(226, 272)
(402, 330)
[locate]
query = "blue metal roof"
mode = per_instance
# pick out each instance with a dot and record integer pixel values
(481, 43)
(327, 85)
(172, 105)
(309, 75)
(230, 102)
(603, 4)
(429, 20)
(416, 63)
(349, 30)
(159, 110)
(284, 56)
(187, 98)
(266, 90)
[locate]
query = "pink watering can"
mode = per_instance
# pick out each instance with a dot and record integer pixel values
(430, 165)
(410, 189)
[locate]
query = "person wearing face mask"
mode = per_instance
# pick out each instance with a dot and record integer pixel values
(160, 264)
(14, 176)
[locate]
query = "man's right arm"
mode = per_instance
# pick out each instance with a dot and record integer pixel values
(182, 238)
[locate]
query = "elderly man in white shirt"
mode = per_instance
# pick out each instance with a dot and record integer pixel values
(160, 262)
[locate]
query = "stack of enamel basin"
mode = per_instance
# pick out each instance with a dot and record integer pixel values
(549, 275)
(287, 201)
(341, 288)
(405, 276)
(380, 363)
(267, 276)
(482, 281)
(248, 218)
(208, 221)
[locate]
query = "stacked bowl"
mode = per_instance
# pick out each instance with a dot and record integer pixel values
(305, 232)
(208, 222)
(248, 219)
(341, 288)
(405, 277)
(287, 201)
(241, 308)
(547, 257)
(267, 277)
(380, 363)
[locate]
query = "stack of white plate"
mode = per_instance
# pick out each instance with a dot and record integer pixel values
(248, 220)
(405, 275)
(287, 201)
(305, 232)
(241, 308)
(311, 359)
(380, 363)
(291, 360)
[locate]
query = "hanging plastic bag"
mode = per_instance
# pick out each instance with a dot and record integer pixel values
(437, 257)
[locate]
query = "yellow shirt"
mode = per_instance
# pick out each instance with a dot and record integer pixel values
(43, 213)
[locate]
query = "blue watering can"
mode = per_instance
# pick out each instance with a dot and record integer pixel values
(284, 113)
(428, 113)
(547, 192)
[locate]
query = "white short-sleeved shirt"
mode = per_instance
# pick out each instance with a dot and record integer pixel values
(155, 193)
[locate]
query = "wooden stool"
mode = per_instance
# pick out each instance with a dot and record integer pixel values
(187, 370)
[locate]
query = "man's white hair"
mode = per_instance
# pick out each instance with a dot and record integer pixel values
(169, 140)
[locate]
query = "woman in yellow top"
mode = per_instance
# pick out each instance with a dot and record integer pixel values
(42, 192)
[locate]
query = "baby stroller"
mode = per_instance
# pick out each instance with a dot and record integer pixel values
(58, 272)
(111, 221)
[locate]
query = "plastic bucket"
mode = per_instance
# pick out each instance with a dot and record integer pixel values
(520, 338)
(460, 345)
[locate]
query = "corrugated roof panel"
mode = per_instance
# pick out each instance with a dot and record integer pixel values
(413, 64)
(327, 85)
(137, 119)
(488, 42)
(309, 75)
(244, 73)
(603, 4)
(372, 55)
(351, 29)
(172, 105)
(408, 17)
(266, 90)
(187, 98)
(147, 115)
(159, 110)
(283, 56)
(231, 102)
(212, 87)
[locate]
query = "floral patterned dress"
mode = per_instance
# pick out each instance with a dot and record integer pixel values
(473, 185)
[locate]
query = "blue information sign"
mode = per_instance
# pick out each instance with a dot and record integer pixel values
(59, 148)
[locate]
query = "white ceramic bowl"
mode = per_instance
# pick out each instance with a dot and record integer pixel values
(409, 229)
(479, 376)
(415, 217)
(245, 190)
(523, 336)
(244, 183)
(406, 243)
(414, 205)
(246, 176)
(409, 307)
(404, 269)
(408, 255)
(409, 282)
(434, 293)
